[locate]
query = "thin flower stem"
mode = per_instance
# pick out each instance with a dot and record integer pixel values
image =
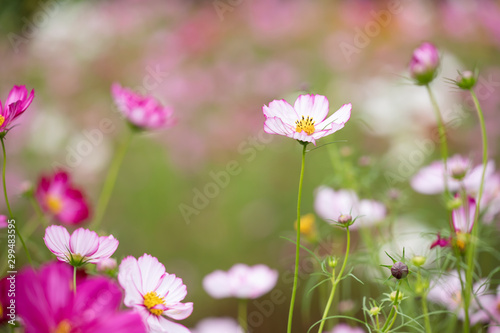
(335, 282)
(242, 314)
(471, 250)
(442, 138)
(110, 181)
(74, 280)
(428, 328)
(386, 326)
(7, 201)
(297, 251)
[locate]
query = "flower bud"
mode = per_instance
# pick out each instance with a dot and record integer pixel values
(374, 311)
(345, 219)
(418, 260)
(424, 63)
(393, 296)
(399, 270)
(466, 80)
(332, 262)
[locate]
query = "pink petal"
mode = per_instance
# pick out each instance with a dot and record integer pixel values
(166, 325)
(151, 272)
(84, 242)
(179, 311)
(314, 106)
(216, 284)
(107, 246)
(57, 241)
(275, 125)
(341, 116)
(172, 288)
(282, 110)
(130, 279)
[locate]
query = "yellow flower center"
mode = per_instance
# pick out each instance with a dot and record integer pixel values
(306, 125)
(54, 203)
(307, 224)
(462, 240)
(151, 300)
(63, 327)
(2, 119)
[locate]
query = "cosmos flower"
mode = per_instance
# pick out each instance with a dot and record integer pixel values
(217, 325)
(59, 197)
(330, 205)
(83, 246)
(491, 304)
(463, 216)
(441, 242)
(431, 179)
(154, 294)
(143, 112)
(424, 63)
(447, 291)
(305, 121)
(16, 103)
(46, 303)
(241, 281)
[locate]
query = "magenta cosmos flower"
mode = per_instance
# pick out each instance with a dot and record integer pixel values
(424, 63)
(154, 293)
(144, 112)
(46, 303)
(330, 205)
(58, 197)
(241, 281)
(305, 121)
(16, 103)
(463, 217)
(81, 247)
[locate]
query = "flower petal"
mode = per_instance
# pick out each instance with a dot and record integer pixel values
(84, 242)
(57, 241)
(314, 106)
(282, 110)
(107, 246)
(179, 311)
(275, 125)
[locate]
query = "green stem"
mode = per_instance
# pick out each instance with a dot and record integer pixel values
(428, 328)
(335, 282)
(74, 280)
(7, 201)
(38, 211)
(471, 250)
(386, 326)
(442, 139)
(242, 314)
(110, 181)
(297, 251)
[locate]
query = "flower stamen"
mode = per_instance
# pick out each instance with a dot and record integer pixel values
(54, 203)
(306, 125)
(2, 120)
(151, 301)
(63, 327)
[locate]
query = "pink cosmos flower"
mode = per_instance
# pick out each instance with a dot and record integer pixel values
(330, 205)
(424, 63)
(305, 121)
(17, 102)
(46, 303)
(431, 179)
(491, 304)
(154, 293)
(241, 281)
(344, 328)
(447, 291)
(3, 222)
(144, 112)
(81, 247)
(463, 217)
(58, 197)
(217, 325)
